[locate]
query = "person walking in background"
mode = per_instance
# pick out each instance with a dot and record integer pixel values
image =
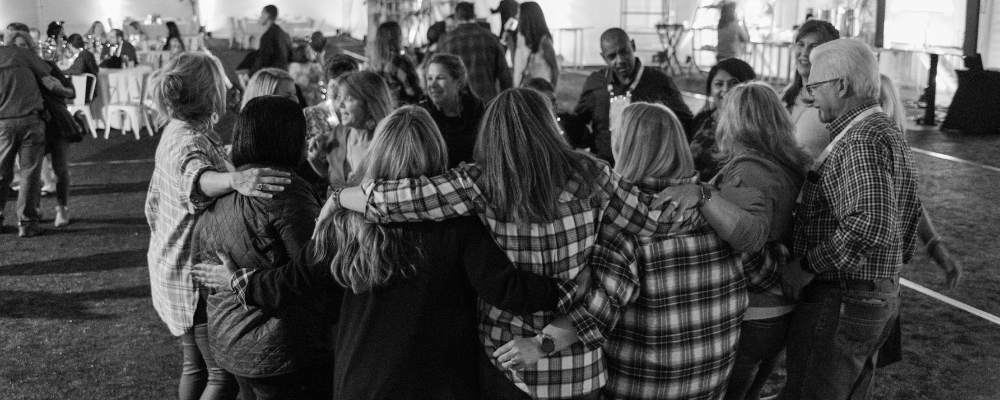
(456, 111)
(274, 355)
(722, 78)
(389, 60)
(534, 55)
(507, 10)
(608, 91)
(191, 169)
(275, 49)
(810, 133)
(22, 131)
(733, 37)
(854, 230)
(481, 52)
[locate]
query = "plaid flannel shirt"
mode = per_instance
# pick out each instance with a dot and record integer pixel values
(173, 203)
(558, 249)
(667, 311)
(483, 56)
(859, 211)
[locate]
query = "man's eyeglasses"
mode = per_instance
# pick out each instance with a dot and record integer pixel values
(809, 87)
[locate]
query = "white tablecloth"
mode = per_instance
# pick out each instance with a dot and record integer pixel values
(118, 86)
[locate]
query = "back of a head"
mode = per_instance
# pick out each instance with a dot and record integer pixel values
(54, 29)
(17, 26)
(892, 102)
(118, 33)
(76, 41)
(739, 69)
(532, 24)
(752, 118)
(388, 44)
(190, 88)
(300, 54)
(340, 64)
(526, 163)
(272, 12)
(406, 144)
(850, 59)
(651, 144)
(435, 31)
(264, 83)
(270, 130)
(373, 92)
(539, 84)
(317, 41)
(465, 11)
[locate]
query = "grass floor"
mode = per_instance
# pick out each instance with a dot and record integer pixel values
(76, 320)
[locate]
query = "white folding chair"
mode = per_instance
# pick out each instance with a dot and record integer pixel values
(129, 108)
(84, 95)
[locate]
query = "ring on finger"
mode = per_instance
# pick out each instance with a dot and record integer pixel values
(260, 186)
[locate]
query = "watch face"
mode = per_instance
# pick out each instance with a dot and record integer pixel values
(548, 345)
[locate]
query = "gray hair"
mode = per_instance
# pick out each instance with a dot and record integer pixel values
(851, 60)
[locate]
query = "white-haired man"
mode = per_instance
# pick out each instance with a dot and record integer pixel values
(854, 229)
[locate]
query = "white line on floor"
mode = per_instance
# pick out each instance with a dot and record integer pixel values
(956, 159)
(111, 162)
(950, 301)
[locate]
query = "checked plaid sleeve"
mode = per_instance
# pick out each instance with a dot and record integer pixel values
(629, 211)
(616, 285)
(453, 194)
(859, 215)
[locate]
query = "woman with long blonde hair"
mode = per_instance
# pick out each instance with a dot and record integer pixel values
(408, 290)
(545, 204)
(270, 82)
(692, 280)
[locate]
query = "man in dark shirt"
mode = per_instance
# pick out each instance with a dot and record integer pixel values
(22, 132)
(121, 48)
(481, 52)
(625, 80)
(275, 50)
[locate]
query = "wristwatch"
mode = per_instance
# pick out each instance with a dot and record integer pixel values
(706, 196)
(548, 345)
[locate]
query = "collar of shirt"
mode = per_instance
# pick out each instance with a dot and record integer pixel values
(652, 183)
(841, 122)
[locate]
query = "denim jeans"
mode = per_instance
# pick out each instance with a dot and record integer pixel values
(836, 332)
(24, 138)
(761, 343)
(201, 377)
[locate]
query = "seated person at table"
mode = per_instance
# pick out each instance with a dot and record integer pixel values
(122, 53)
(84, 61)
(174, 41)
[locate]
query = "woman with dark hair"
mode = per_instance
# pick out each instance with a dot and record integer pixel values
(545, 204)
(722, 78)
(55, 42)
(174, 41)
(389, 60)
(733, 37)
(455, 109)
(407, 326)
(810, 133)
(190, 171)
(273, 353)
(364, 99)
(534, 55)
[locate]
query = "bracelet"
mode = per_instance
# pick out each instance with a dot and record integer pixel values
(932, 243)
(335, 196)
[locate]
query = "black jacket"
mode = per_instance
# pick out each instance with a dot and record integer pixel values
(459, 132)
(262, 233)
(275, 50)
(416, 337)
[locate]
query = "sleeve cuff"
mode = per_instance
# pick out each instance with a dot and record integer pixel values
(587, 328)
(567, 289)
(238, 282)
